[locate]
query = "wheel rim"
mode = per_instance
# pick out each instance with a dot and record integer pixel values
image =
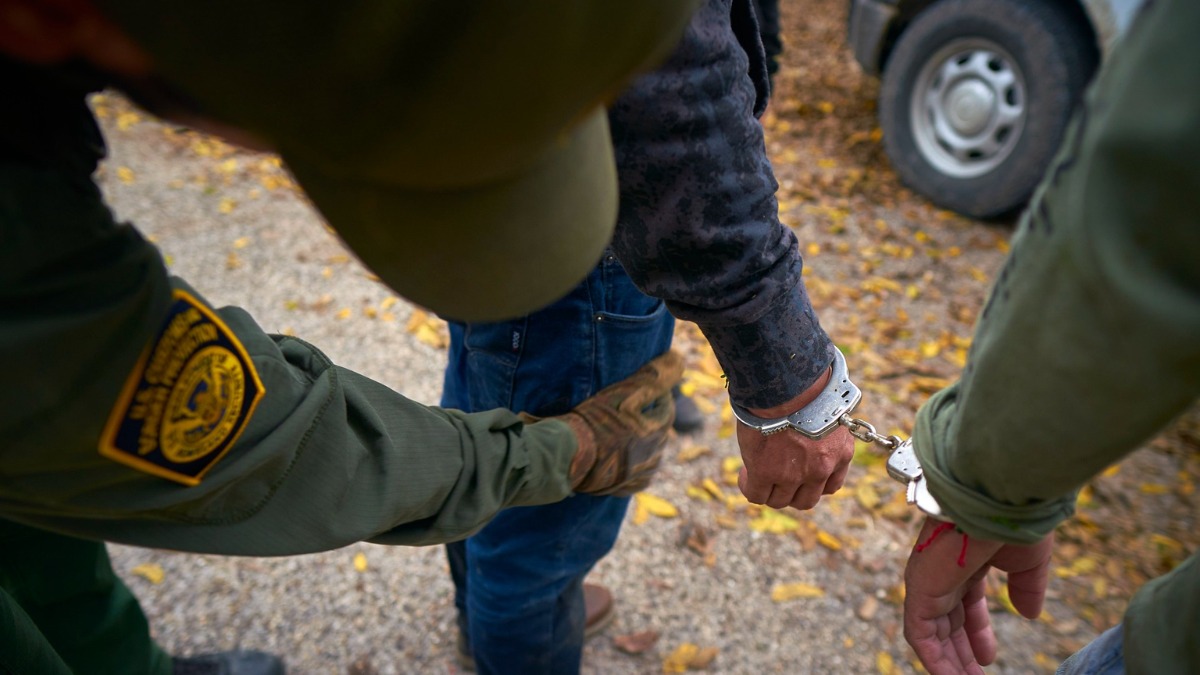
(968, 107)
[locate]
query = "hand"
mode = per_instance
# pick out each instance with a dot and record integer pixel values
(945, 612)
(789, 468)
(623, 428)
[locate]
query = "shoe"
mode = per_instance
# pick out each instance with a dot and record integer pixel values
(688, 418)
(228, 663)
(598, 605)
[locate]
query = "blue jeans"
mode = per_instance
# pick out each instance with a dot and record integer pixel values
(1103, 656)
(519, 581)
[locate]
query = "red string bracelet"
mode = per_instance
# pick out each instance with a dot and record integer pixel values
(942, 527)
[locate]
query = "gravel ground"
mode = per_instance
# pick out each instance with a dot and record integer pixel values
(229, 222)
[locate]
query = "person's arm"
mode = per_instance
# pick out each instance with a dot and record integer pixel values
(698, 227)
(1090, 341)
(1089, 344)
(106, 354)
(140, 414)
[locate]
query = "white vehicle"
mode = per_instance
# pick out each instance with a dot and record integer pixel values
(976, 94)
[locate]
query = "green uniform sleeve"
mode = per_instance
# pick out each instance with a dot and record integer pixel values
(1090, 341)
(136, 413)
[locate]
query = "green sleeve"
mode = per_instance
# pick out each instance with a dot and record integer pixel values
(1090, 341)
(289, 453)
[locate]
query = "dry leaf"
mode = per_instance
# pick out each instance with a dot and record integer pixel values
(640, 514)
(689, 657)
(785, 592)
(360, 562)
(151, 572)
(866, 495)
(698, 493)
(656, 506)
(125, 174)
(774, 522)
(885, 664)
(691, 452)
(828, 541)
(713, 489)
(636, 643)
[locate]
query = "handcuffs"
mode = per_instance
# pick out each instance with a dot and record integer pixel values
(831, 408)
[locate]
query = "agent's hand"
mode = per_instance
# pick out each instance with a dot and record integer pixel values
(623, 428)
(789, 468)
(945, 612)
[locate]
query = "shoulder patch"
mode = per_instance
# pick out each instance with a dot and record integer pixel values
(188, 398)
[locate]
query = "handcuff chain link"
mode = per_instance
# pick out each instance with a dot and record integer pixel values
(865, 431)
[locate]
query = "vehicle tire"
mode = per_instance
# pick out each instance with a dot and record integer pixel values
(976, 97)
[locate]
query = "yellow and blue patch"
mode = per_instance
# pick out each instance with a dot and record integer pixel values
(187, 400)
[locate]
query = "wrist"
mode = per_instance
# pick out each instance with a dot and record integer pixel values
(830, 399)
(799, 401)
(585, 449)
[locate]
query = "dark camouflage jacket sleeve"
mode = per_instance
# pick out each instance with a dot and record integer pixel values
(698, 223)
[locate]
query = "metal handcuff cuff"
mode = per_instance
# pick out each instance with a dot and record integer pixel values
(832, 407)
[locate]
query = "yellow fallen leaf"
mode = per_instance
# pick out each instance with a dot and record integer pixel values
(885, 664)
(702, 380)
(1081, 565)
(679, 660)
(698, 493)
(640, 514)
(226, 205)
(151, 572)
(692, 452)
(327, 272)
(731, 464)
(125, 174)
(232, 261)
(345, 313)
(713, 489)
(388, 302)
(774, 522)
(127, 119)
(866, 495)
(657, 506)
(1154, 488)
(241, 242)
(727, 522)
(360, 562)
(1112, 471)
(1002, 596)
(1166, 544)
(785, 592)
(430, 336)
(829, 541)
(930, 349)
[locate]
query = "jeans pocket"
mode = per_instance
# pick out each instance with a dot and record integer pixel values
(493, 351)
(625, 342)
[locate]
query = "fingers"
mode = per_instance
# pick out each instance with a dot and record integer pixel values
(837, 479)
(756, 491)
(652, 381)
(1028, 570)
(977, 624)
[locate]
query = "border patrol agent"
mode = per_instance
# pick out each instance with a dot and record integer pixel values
(149, 417)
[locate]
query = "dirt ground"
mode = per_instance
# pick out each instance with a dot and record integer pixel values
(896, 282)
